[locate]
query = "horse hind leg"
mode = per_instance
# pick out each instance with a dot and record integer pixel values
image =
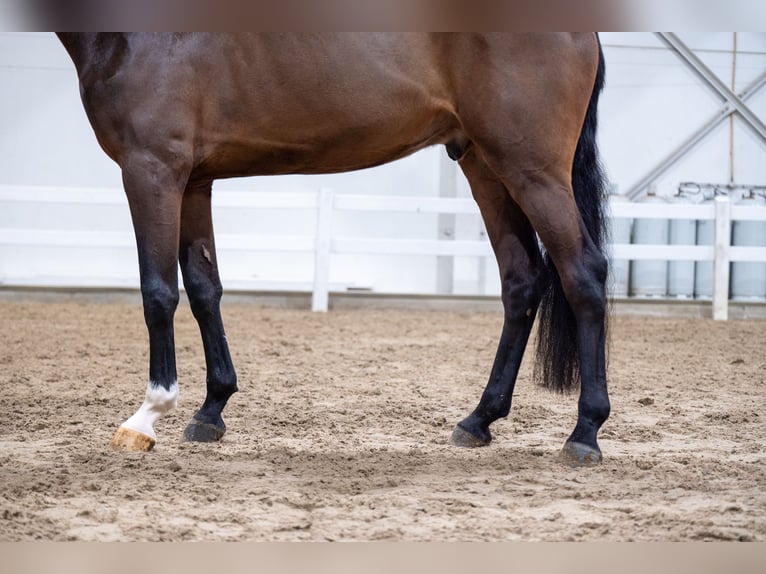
(199, 268)
(154, 191)
(548, 201)
(520, 263)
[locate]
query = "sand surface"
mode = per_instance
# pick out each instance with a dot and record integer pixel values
(340, 432)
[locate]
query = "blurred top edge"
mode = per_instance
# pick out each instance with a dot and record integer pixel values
(388, 15)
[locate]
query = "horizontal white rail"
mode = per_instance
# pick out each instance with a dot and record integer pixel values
(628, 210)
(111, 196)
(685, 252)
(747, 213)
(66, 238)
(456, 248)
(666, 252)
(323, 243)
(125, 240)
(41, 194)
(393, 203)
(747, 254)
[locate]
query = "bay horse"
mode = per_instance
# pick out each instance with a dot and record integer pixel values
(516, 111)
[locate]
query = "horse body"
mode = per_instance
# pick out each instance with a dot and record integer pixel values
(247, 104)
(177, 111)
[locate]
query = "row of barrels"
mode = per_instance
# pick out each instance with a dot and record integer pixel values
(687, 279)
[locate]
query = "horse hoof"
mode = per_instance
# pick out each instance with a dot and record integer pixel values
(463, 439)
(577, 454)
(197, 431)
(126, 439)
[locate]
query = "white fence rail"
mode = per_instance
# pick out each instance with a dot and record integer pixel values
(721, 253)
(324, 244)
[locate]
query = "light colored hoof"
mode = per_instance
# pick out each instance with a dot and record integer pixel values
(126, 439)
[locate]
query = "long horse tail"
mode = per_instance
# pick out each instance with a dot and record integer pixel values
(557, 364)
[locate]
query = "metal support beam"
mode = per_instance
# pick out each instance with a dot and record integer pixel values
(714, 82)
(677, 154)
(733, 104)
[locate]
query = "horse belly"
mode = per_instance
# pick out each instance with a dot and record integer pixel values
(325, 149)
(323, 113)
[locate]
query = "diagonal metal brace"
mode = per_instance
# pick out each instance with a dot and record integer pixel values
(677, 154)
(712, 80)
(733, 103)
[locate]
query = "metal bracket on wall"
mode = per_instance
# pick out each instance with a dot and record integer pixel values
(733, 104)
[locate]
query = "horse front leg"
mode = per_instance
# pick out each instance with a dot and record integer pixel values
(154, 193)
(199, 268)
(519, 261)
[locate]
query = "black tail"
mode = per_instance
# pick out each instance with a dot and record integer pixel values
(557, 365)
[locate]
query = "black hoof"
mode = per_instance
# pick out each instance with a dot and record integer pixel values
(577, 454)
(197, 431)
(464, 439)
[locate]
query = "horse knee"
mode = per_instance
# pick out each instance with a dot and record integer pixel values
(204, 295)
(201, 281)
(160, 302)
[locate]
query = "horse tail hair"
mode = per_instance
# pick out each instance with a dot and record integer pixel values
(557, 364)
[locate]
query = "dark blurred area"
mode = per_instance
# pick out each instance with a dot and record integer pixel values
(358, 15)
(381, 15)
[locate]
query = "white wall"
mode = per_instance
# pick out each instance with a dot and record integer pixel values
(651, 103)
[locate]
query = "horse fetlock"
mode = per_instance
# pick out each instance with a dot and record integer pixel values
(221, 385)
(594, 412)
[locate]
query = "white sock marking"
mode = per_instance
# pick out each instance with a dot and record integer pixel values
(158, 401)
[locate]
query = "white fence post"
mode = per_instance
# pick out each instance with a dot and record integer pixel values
(322, 251)
(722, 258)
(446, 226)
